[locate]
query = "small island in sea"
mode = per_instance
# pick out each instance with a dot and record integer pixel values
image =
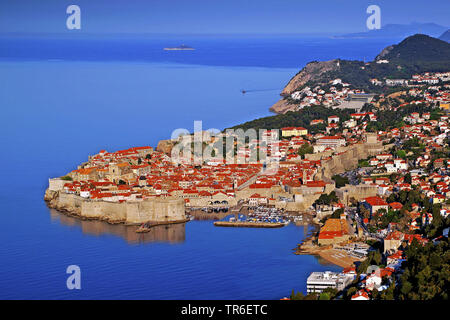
(183, 47)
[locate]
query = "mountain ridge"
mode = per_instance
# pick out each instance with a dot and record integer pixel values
(415, 54)
(400, 31)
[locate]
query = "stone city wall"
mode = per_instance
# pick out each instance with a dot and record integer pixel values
(155, 210)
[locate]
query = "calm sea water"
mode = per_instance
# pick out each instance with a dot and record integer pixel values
(61, 102)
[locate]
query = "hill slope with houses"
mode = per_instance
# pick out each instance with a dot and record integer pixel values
(416, 54)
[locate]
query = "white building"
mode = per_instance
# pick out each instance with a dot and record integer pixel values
(331, 141)
(396, 82)
(319, 281)
(85, 193)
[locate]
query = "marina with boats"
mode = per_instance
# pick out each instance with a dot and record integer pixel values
(241, 215)
(261, 217)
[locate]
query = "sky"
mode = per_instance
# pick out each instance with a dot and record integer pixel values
(215, 16)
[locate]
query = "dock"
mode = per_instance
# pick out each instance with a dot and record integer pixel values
(243, 224)
(146, 227)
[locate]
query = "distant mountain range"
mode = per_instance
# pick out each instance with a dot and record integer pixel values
(400, 31)
(445, 36)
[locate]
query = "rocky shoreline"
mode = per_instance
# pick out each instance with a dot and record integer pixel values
(336, 257)
(282, 106)
(51, 199)
(311, 72)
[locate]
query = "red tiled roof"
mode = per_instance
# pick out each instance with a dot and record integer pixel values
(396, 205)
(376, 201)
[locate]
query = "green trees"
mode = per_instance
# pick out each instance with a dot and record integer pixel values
(427, 272)
(408, 178)
(337, 214)
(391, 216)
(340, 181)
(300, 118)
(363, 163)
(296, 295)
(375, 294)
(438, 224)
(324, 296)
(373, 258)
(327, 199)
(375, 126)
(388, 294)
(306, 148)
(367, 107)
(328, 294)
(412, 143)
(301, 296)
(66, 178)
(350, 292)
(401, 154)
(407, 198)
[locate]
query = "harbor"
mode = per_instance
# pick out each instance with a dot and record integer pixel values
(261, 217)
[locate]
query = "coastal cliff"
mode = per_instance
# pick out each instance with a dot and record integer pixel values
(131, 212)
(281, 106)
(311, 72)
(414, 55)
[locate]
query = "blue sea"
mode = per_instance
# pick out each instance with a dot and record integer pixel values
(64, 99)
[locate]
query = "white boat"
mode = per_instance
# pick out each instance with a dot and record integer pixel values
(179, 48)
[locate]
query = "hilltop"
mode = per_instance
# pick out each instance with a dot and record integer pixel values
(415, 54)
(417, 48)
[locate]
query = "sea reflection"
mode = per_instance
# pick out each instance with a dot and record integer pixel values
(174, 233)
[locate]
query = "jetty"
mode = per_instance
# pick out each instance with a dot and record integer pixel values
(245, 224)
(147, 226)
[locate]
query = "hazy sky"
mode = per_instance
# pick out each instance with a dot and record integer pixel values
(215, 16)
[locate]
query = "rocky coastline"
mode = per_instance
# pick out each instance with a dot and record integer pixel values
(333, 256)
(311, 72)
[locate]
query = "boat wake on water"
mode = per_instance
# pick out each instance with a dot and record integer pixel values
(258, 90)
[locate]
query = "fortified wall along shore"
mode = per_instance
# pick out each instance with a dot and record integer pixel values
(158, 210)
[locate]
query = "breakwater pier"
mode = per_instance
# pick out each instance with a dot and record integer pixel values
(245, 224)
